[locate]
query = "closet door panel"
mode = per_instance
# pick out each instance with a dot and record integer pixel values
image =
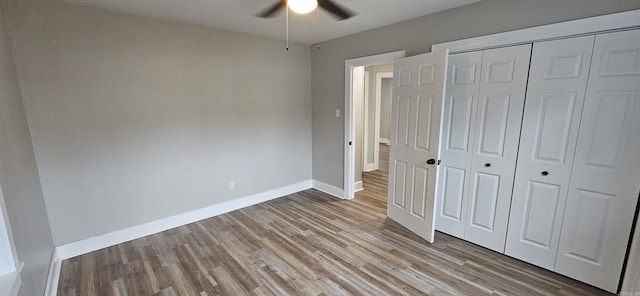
(484, 197)
(458, 125)
(555, 96)
(493, 118)
(499, 113)
(605, 183)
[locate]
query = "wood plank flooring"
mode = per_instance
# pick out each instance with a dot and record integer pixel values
(307, 243)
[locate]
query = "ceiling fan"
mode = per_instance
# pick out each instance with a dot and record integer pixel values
(306, 6)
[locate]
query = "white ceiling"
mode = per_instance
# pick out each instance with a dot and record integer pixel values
(239, 15)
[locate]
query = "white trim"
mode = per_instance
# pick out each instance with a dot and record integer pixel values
(10, 283)
(120, 236)
(8, 254)
(357, 116)
(367, 166)
(358, 186)
(349, 129)
(586, 26)
(385, 141)
(51, 289)
(10, 266)
(328, 189)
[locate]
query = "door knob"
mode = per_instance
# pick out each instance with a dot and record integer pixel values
(431, 161)
(487, 164)
(544, 173)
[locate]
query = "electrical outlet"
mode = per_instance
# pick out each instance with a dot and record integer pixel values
(337, 113)
(232, 185)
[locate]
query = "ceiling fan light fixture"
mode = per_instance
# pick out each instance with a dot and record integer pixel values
(302, 6)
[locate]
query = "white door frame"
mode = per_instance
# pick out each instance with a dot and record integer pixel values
(376, 123)
(8, 256)
(366, 165)
(349, 115)
(10, 266)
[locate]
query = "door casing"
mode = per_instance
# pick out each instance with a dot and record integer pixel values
(349, 115)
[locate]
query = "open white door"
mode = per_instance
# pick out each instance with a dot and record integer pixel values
(418, 89)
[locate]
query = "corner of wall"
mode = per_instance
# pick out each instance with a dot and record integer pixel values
(51, 288)
(329, 189)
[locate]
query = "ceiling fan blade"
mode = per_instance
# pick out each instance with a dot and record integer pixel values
(271, 10)
(339, 12)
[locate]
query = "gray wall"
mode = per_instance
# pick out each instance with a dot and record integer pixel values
(416, 36)
(19, 177)
(135, 119)
(370, 137)
(385, 107)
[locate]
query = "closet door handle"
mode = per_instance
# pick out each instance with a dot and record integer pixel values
(544, 173)
(487, 164)
(431, 161)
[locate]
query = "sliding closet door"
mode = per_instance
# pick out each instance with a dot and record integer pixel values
(458, 125)
(499, 115)
(555, 96)
(605, 184)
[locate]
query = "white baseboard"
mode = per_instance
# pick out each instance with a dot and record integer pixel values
(358, 186)
(385, 141)
(328, 189)
(106, 240)
(370, 167)
(120, 236)
(51, 289)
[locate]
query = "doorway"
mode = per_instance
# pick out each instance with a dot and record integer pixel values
(367, 82)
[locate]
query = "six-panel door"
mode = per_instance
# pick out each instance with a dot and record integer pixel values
(605, 181)
(415, 131)
(458, 125)
(497, 129)
(557, 83)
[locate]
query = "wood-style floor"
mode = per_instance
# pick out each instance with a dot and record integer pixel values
(307, 243)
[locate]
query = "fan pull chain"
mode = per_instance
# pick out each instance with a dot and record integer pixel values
(287, 20)
(318, 25)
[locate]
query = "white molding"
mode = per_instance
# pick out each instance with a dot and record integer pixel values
(8, 255)
(385, 141)
(10, 283)
(586, 26)
(328, 189)
(120, 236)
(349, 129)
(376, 126)
(367, 166)
(358, 186)
(53, 277)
